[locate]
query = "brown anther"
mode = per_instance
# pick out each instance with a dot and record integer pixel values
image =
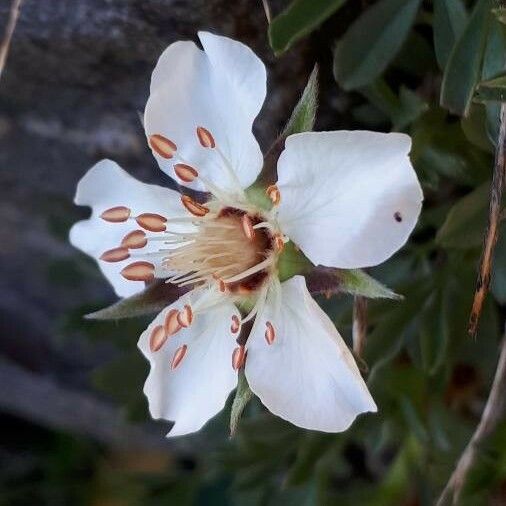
(115, 255)
(139, 271)
(222, 286)
(194, 207)
(274, 194)
(152, 222)
(185, 316)
(238, 357)
(186, 173)
(116, 214)
(205, 138)
(236, 324)
(157, 338)
(279, 244)
(134, 240)
(178, 356)
(247, 227)
(162, 146)
(270, 333)
(398, 216)
(171, 323)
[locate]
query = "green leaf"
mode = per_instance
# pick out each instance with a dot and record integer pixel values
(450, 19)
(434, 333)
(327, 280)
(153, 299)
(464, 66)
(465, 223)
(304, 114)
(300, 18)
(474, 126)
(373, 41)
(243, 395)
(500, 14)
(492, 90)
(401, 110)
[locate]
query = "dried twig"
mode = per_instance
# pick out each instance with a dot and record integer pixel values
(359, 325)
(492, 415)
(491, 235)
(9, 32)
(267, 10)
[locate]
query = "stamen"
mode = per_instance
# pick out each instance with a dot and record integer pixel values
(185, 172)
(139, 271)
(251, 270)
(274, 194)
(162, 146)
(205, 138)
(171, 323)
(178, 356)
(194, 207)
(116, 214)
(157, 339)
(152, 222)
(238, 357)
(134, 240)
(236, 324)
(247, 227)
(270, 333)
(115, 255)
(185, 316)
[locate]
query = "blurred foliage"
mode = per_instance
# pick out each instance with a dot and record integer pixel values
(434, 70)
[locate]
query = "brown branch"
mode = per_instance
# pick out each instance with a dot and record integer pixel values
(492, 415)
(492, 232)
(9, 32)
(359, 325)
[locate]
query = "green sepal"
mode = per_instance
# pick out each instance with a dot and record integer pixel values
(152, 299)
(301, 120)
(329, 281)
(243, 395)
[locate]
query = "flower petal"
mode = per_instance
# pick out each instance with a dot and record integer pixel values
(197, 389)
(104, 186)
(348, 199)
(221, 90)
(306, 375)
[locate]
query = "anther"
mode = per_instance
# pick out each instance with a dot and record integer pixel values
(247, 227)
(236, 324)
(270, 333)
(238, 357)
(116, 214)
(185, 316)
(279, 243)
(171, 323)
(205, 138)
(398, 216)
(139, 271)
(152, 222)
(162, 146)
(274, 194)
(222, 286)
(157, 338)
(115, 255)
(194, 207)
(134, 240)
(186, 173)
(178, 356)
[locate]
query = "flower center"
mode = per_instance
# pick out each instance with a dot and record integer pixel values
(230, 246)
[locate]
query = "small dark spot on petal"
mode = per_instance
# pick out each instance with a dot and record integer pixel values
(398, 216)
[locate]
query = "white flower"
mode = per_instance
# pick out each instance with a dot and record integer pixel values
(346, 199)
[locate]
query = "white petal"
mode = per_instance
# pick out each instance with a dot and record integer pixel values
(198, 387)
(107, 185)
(307, 375)
(348, 199)
(222, 90)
